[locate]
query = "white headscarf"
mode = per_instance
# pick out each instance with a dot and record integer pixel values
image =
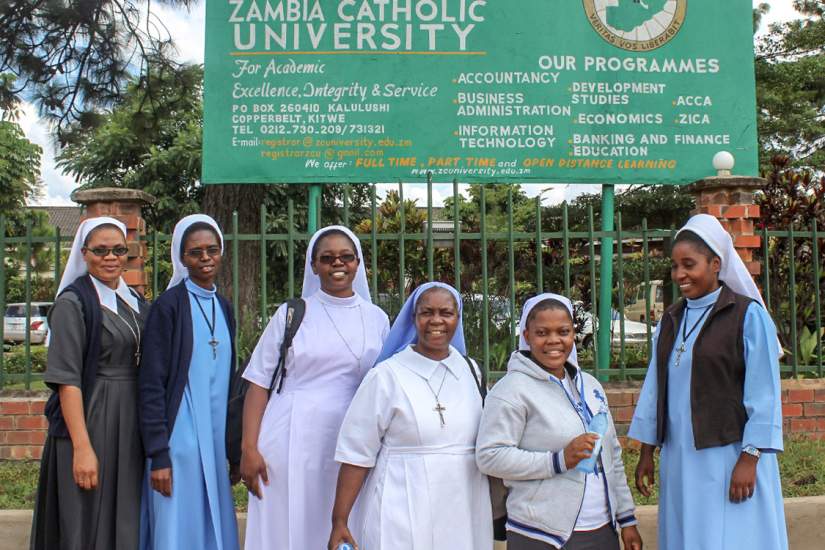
(76, 266)
(312, 283)
(733, 272)
(179, 271)
(573, 359)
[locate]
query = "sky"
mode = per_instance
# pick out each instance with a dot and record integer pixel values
(187, 30)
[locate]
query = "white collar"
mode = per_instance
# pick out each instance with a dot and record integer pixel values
(425, 367)
(108, 296)
(330, 300)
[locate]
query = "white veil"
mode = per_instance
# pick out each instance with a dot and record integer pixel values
(179, 271)
(312, 283)
(573, 359)
(76, 266)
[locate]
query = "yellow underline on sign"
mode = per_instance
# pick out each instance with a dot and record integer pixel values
(354, 52)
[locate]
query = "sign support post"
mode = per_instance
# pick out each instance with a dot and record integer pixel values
(314, 210)
(606, 281)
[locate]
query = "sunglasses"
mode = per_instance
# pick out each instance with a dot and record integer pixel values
(102, 251)
(329, 259)
(212, 252)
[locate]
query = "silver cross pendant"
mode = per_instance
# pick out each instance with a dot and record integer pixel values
(439, 408)
(679, 353)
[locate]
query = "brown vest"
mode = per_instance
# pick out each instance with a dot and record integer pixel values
(717, 383)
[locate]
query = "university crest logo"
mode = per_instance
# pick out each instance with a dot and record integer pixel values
(636, 25)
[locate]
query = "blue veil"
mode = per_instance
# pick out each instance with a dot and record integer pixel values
(403, 331)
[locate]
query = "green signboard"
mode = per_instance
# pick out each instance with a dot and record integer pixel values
(590, 91)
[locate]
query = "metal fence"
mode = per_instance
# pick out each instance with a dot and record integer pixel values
(524, 263)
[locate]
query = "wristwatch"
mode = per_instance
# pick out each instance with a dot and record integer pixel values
(751, 450)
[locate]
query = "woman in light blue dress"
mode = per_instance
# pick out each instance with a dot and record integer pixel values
(719, 395)
(188, 358)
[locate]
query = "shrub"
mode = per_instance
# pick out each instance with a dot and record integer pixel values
(15, 361)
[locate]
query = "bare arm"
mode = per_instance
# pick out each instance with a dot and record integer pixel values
(253, 465)
(645, 474)
(84, 462)
(350, 480)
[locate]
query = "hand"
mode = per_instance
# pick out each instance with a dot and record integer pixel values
(162, 481)
(645, 471)
(743, 479)
(85, 468)
(253, 466)
(579, 449)
(234, 474)
(340, 533)
(631, 539)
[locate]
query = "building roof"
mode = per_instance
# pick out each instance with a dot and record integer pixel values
(67, 218)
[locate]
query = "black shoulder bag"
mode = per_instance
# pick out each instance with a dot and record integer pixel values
(295, 310)
(498, 492)
(479, 377)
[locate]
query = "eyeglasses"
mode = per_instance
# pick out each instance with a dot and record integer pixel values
(102, 251)
(329, 259)
(211, 251)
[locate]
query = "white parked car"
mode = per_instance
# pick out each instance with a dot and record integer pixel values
(14, 322)
(634, 332)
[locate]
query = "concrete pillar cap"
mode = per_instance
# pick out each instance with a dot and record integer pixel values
(112, 194)
(727, 182)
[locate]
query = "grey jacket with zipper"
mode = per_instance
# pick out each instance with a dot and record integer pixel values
(527, 422)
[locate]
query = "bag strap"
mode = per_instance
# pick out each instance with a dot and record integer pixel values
(295, 310)
(478, 376)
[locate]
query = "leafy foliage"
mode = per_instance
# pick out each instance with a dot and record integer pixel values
(19, 169)
(793, 198)
(790, 88)
(155, 148)
(75, 58)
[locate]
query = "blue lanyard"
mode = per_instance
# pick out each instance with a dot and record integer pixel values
(580, 405)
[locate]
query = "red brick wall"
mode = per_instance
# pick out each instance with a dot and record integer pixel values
(803, 407)
(23, 426)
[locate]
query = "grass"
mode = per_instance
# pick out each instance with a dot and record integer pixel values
(802, 467)
(18, 484)
(35, 386)
(241, 496)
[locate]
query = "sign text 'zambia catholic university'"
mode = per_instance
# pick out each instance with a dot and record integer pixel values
(595, 91)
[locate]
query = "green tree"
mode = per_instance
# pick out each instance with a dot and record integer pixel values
(792, 198)
(155, 148)
(77, 57)
(790, 89)
(496, 221)
(19, 173)
(388, 220)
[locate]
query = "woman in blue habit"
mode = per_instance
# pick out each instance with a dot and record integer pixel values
(188, 358)
(711, 401)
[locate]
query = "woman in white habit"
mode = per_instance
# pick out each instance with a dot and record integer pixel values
(410, 432)
(289, 439)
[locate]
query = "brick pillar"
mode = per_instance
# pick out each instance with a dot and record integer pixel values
(730, 199)
(126, 206)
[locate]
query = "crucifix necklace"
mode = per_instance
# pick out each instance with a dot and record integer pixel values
(135, 335)
(439, 408)
(212, 342)
(686, 333)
